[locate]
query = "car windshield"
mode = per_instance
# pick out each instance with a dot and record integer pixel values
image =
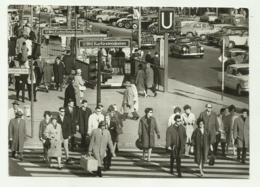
(243, 71)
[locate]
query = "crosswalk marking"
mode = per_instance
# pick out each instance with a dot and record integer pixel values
(130, 164)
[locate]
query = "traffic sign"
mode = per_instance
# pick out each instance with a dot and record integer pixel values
(18, 71)
(104, 43)
(57, 31)
(166, 20)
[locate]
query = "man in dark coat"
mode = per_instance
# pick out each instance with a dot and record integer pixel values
(211, 122)
(68, 62)
(69, 92)
(175, 142)
(71, 115)
(241, 134)
(84, 113)
(66, 130)
(58, 70)
(17, 134)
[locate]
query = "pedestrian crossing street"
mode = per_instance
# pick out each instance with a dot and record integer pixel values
(128, 163)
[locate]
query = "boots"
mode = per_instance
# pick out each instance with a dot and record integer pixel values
(99, 172)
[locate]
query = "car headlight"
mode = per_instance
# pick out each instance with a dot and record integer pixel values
(184, 49)
(244, 84)
(201, 48)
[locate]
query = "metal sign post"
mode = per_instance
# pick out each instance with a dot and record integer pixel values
(223, 70)
(32, 98)
(99, 76)
(166, 25)
(166, 62)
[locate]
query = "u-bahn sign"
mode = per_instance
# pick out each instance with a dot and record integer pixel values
(104, 43)
(56, 31)
(166, 20)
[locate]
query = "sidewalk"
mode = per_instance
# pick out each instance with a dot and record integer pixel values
(179, 94)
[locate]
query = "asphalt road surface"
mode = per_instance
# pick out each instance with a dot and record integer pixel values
(200, 72)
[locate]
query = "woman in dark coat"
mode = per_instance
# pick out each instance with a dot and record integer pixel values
(201, 141)
(147, 127)
(58, 70)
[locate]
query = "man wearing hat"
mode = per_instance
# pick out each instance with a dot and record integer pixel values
(17, 134)
(210, 120)
(12, 111)
(100, 140)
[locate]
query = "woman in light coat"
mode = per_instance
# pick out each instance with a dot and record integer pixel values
(100, 139)
(53, 132)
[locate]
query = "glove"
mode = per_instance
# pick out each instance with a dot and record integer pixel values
(113, 155)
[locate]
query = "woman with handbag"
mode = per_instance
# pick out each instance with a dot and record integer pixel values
(53, 132)
(201, 142)
(43, 124)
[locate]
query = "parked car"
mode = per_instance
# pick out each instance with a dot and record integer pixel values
(236, 78)
(236, 20)
(91, 15)
(236, 56)
(105, 16)
(120, 23)
(118, 15)
(185, 46)
(60, 18)
(209, 17)
(233, 36)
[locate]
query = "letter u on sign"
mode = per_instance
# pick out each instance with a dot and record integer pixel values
(166, 20)
(169, 17)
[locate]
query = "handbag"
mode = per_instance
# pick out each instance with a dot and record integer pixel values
(139, 144)
(88, 163)
(211, 160)
(47, 144)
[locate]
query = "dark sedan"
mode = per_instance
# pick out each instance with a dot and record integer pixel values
(186, 47)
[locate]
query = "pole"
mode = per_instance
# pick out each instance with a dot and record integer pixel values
(76, 25)
(165, 62)
(139, 28)
(32, 98)
(31, 18)
(99, 77)
(223, 70)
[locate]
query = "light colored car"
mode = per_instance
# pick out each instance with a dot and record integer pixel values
(60, 18)
(236, 78)
(105, 16)
(209, 17)
(233, 36)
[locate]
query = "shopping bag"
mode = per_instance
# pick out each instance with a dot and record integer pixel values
(211, 160)
(139, 144)
(88, 163)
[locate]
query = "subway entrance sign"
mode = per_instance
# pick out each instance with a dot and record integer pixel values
(59, 31)
(166, 20)
(104, 43)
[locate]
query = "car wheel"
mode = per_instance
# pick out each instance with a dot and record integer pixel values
(231, 44)
(135, 26)
(120, 24)
(239, 90)
(127, 25)
(99, 20)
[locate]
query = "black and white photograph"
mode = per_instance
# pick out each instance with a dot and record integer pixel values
(129, 91)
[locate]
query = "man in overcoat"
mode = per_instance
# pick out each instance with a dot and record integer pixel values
(100, 139)
(241, 134)
(58, 70)
(211, 122)
(71, 114)
(84, 113)
(17, 134)
(175, 142)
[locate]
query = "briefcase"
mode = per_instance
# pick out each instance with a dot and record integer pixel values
(88, 163)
